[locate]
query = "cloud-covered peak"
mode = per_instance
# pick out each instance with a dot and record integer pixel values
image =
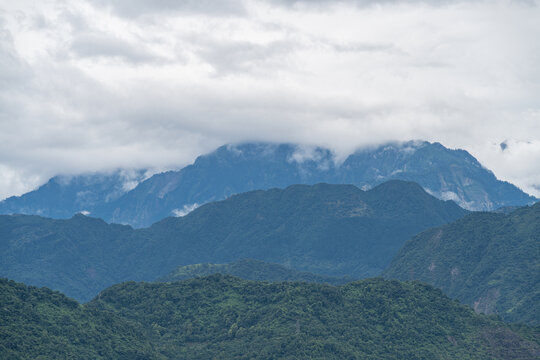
(93, 86)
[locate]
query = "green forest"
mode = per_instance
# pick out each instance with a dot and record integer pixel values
(222, 317)
(486, 260)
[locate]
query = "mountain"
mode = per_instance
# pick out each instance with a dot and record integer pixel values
(445, 173)
(231, 169)
(326, 229)
(250, 269)
(490, 261)
(227, 318)
(44, 324)
(335, 230)
(79, 256)
(221, 317)
(64, 196)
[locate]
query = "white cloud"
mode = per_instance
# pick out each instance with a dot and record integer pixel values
(87, 87)
(137, 8)
(185, 210)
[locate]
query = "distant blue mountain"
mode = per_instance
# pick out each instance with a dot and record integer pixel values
(63, 196)
(445, 173)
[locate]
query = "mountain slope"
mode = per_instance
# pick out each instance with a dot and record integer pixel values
(334, 230)
(79, 256)
(445, 173)
(228, 318)
(327, 229)
(250, 269)
(64, 196)
(42, 324)
(490, 261)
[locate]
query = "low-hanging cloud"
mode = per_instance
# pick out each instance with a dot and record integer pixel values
(136, 8)
(91, 87)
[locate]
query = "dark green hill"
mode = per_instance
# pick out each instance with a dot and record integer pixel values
(221, 317)
(227, 318)
(335, 230)
(44, 324)
(487, 260)
(79, 256)
(250, 269)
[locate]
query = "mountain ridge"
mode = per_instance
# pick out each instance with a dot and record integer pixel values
(327, 229)
(445, 173)
(65, 195)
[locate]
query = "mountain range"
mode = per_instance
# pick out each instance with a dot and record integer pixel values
(231, 169)
(296, 219)
(487, 260)
(337, 230)
(221, 317)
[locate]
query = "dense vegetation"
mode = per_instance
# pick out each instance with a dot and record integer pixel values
(221, 317)
(489, 261)
(334, 230)
(42, 324)
(445, 173)
(227, 318)
(250, 269)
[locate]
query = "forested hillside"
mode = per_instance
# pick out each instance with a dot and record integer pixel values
(336, 230)
(228, 318)
(489, 261)
(221, 317)
(44, 324)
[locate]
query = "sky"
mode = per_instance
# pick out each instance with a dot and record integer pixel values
(98, 85)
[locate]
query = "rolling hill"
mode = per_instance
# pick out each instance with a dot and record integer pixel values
(221, 317)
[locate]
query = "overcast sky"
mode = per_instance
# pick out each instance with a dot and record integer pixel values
(97, 85)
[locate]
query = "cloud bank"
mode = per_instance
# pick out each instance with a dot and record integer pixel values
(94, 85)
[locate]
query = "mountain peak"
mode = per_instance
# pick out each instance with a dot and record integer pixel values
(444, 173)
